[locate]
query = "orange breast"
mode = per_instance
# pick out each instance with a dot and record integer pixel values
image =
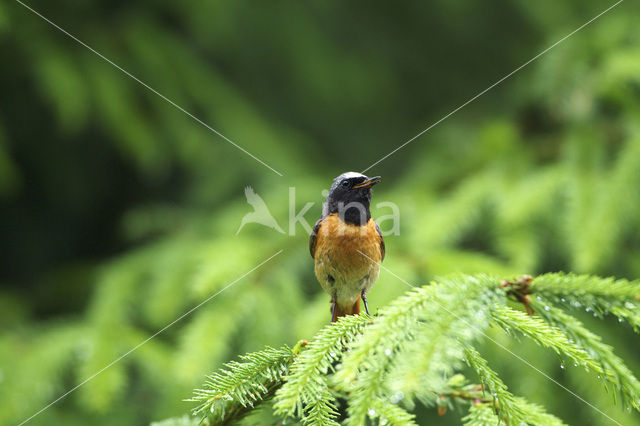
(345, 241)
(347, 257)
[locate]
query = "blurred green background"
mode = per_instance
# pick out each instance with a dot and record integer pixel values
(119, 212)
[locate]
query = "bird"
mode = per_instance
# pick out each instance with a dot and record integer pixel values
(346, 244)
(260, 213)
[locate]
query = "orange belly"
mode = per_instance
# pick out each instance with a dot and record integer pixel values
(347, 259)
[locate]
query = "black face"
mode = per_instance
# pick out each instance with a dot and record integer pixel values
(350, 197)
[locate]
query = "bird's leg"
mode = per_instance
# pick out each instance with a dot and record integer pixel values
(364, 299)
(334, 305)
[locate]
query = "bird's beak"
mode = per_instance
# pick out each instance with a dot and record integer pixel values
(367, 183)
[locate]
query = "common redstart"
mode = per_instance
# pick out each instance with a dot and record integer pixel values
(347, 245)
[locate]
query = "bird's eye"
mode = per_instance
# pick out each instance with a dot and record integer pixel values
(345, 184)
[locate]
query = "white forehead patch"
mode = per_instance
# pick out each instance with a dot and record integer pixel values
(349, 175)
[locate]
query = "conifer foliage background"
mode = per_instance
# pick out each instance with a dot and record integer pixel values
(119, 213)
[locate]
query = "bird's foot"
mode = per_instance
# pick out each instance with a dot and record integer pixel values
(364, 299)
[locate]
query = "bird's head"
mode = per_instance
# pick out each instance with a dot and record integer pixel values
(350, 197)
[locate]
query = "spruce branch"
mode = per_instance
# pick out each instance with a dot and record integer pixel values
(545, 335)
(480, 415)
(520, 291)
(617, 373)
(511, 409)
(419, 338)
(414, 350)
(363, 368)
(321, 409)
(390, 413)
(306, 386)
(232, 392)
(399, 317)
(599, 295)
(457, 390)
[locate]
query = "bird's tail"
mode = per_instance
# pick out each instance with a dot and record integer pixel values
(341, 312)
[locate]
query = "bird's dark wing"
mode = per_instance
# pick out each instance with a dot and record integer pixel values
(382, 248)
(314, 237)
